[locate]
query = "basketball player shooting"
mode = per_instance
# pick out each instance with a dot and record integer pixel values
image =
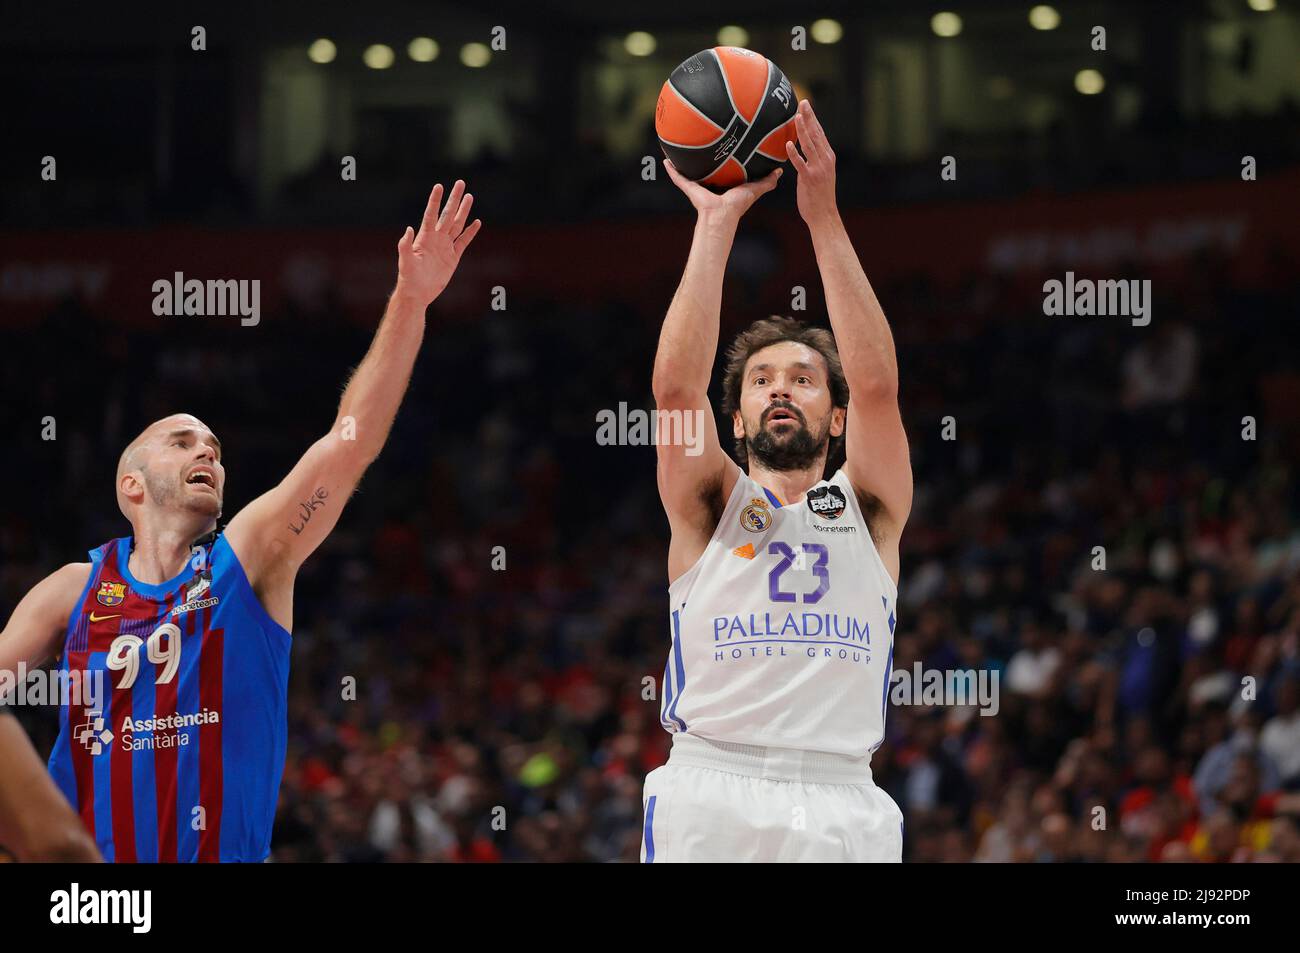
(783, 582)
(188, 628)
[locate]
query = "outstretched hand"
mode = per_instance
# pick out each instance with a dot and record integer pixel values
(816, 167)
(427, 259)
(733, 203)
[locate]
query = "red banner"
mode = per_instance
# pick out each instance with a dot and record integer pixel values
(1253, 226)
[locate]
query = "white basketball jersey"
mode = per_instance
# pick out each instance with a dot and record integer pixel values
(783, 630)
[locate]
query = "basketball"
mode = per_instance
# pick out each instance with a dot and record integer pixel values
(725, 115)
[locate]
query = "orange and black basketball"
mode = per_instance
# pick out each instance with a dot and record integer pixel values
(725, 115)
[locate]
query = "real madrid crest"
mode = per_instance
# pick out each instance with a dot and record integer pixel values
(756, 517)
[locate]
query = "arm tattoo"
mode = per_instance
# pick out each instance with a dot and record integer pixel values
(309, 506)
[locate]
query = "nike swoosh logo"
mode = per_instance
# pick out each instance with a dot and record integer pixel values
(101, 618)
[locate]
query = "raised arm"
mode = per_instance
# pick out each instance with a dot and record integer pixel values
(878, 464)
(275, 533)
(696, 478)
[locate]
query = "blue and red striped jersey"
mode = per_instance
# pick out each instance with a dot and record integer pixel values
(181, 756)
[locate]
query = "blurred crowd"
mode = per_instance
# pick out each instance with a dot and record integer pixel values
(1122, 547)
(477, 648)
(1084, 148)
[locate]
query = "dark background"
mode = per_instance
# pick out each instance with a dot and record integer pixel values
(523, 688)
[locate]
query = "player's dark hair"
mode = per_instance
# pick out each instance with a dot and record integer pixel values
(774, 330)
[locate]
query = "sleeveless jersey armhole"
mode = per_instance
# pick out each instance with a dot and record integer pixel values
(247, 594)
(96, 559)
(742, 490)
(841, 479)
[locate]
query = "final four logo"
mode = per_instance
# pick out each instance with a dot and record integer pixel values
(111, 593)
(756, 517)
(828, 502)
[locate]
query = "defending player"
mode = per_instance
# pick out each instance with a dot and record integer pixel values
(36, 823)
(783, 584)
(188, 627)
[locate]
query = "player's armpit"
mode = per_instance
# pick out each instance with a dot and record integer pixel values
(695, 475)
(877, 459)
(274, 534)
(34, 631)
(36, 822)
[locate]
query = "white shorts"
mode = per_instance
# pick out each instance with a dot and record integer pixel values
(715, 802)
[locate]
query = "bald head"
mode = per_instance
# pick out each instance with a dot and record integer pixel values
(152, 470)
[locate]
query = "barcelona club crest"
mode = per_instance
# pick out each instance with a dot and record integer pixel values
(756, 517)
(111, 593)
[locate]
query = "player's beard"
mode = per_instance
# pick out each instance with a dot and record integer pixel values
(793, 451)
(171, 493)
